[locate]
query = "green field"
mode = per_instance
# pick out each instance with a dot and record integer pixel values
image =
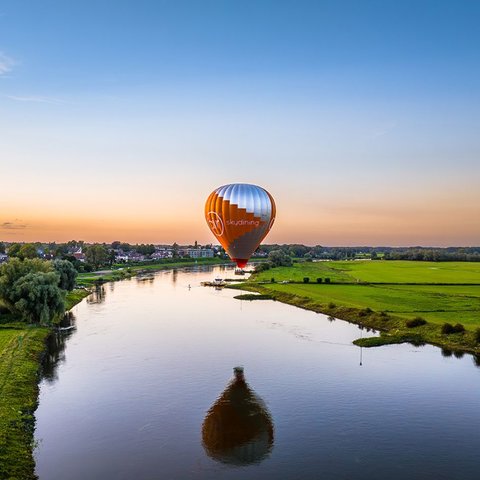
(379, 271)
(392, 292)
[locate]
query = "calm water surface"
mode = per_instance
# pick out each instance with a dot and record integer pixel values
(143, 387)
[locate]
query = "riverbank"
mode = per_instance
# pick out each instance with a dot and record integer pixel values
(22, 348)
(127, 271)
(386, 296)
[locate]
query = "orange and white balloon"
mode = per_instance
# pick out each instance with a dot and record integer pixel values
(240, 216)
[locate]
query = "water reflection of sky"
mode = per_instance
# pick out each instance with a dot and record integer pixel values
(145, 365)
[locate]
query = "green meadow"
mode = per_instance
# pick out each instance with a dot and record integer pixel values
(385, 295)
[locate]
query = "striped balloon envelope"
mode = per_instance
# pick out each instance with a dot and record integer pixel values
(240, 216)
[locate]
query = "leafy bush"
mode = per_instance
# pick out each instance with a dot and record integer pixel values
(261, 267)
(447, 328)
(319, 280)
(278, 258)
(272, 280)
(458, 328)
(327, 280)
(306, 280)
(331, 305)
(416, 322)
(365, 312)
(477, 335)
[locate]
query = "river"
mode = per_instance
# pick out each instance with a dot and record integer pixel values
(141, 385)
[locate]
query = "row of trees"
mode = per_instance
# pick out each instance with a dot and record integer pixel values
(462, 254)
(34, 290)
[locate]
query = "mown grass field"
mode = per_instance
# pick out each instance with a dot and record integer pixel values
(385, 295)
(379, 271)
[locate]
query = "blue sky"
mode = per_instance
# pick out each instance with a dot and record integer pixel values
(360, 117)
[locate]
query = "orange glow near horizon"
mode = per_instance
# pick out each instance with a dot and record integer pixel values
(423, 220)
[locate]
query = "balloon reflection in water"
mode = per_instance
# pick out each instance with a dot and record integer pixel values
(238, 428)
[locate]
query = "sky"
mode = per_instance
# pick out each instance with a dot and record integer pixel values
(361, 118)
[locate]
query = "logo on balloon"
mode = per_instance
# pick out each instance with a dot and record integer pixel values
(216, 223)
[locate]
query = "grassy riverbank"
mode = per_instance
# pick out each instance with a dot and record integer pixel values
(120, 272)
(385, 296)
(21, 349)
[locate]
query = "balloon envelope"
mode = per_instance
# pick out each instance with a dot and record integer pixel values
(240, 215)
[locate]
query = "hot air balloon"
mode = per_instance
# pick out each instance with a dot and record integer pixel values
(238, 428)
(240, 216)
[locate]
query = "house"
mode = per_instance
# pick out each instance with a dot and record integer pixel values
(200, 252)
(79, 255)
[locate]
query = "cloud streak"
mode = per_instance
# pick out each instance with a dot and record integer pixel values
(35, 99)
(12, 226)
(6, 64)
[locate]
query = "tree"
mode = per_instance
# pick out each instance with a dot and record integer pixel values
(37, 297)
(278, 258)
(67, 273)
(29, 288)
(2, 247)
(96, 255)
(28, 250)
(12, 271)
(13, 249)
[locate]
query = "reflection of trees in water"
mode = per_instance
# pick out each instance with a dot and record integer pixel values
(174, 275)
(97, 296)
(111, 286)
(476, 360)
(56, 342)
(238, 428)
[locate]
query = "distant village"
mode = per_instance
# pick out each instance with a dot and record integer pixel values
(118, 252)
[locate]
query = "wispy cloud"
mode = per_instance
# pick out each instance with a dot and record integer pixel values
(35, 99)
(6, 64)
(13, 226)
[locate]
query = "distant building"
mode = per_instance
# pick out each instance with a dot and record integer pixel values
(3, 257)
(200, 252)
(79, 255)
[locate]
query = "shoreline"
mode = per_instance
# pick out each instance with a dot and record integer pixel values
(24, 349)
(392, 328)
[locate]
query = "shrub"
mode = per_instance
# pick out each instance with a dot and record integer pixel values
(272, 280)
(331, 305)
(319, 280)
(383, 314)
(327, 280)
(306, 279)
(458, 328)
(447, 329)
(477, 335)
(416, 322)
(365, 312)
